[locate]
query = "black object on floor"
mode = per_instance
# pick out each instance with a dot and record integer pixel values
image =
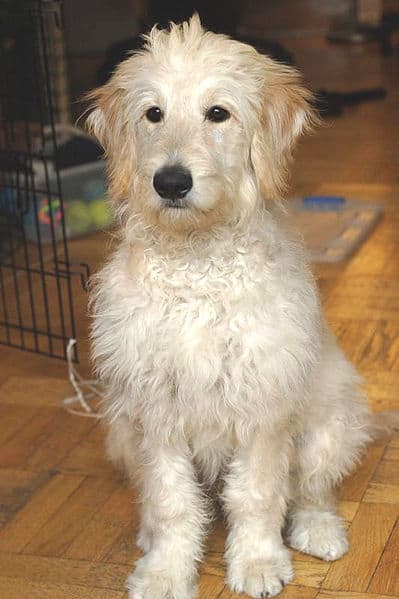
(330, 104)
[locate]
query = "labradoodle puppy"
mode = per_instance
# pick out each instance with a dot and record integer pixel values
(208, 332)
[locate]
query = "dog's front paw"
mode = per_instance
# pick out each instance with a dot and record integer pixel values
(260, 577)
(319, 533)
(151, 582)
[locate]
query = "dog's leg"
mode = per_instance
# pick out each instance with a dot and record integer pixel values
(122, 446)
(313, 525)
(255, 499)
(173, 517)
(336, 432)
(317, 529)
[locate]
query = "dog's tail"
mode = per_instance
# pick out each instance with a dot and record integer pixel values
(384, 424)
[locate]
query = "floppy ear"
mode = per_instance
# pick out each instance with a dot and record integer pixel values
(110, 123)
(95, 122)
(285, 113)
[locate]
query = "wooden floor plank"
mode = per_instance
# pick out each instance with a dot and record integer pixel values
(392, 450)
(15, 588)
(124, 549)
(16, 488)
(211, 587)
(48, 391)
(382, 493)
(309, 572)
(354, 487)
(387, 471)
(110, 521)
(386, 576)
(54, 538)
(53, 570)
(88, 457)
(57, 439)
(367, 296)
(373, 344)
(383, 388)
(348, 510)
(12, 418)
(213, 564)
(382, 487)
(17, 450)
(369, 532)
(36, 512)
(349, 595)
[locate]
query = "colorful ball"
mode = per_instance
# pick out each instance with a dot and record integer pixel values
(100, 213)
(78, 217)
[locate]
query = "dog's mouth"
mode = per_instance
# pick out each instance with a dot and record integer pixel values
(175, 203)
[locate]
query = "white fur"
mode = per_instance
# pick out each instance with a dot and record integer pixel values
(207, 329)
(319, 532)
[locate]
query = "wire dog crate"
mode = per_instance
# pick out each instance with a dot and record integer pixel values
(36, 298)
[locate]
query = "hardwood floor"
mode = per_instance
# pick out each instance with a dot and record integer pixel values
(68, 521)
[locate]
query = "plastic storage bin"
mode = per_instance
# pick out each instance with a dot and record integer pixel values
(84, 193)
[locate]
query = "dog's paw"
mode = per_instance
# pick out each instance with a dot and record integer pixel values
(149, 582)
(260, 577)
(319, 533)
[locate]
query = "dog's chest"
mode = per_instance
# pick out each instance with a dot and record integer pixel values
(205, 338)
(202, 312)
(200, 305)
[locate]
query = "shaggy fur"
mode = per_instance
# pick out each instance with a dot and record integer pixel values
(208, 331)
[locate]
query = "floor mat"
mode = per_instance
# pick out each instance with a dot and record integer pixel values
(333, 227)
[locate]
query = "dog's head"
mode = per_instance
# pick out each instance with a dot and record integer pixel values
(198, 128)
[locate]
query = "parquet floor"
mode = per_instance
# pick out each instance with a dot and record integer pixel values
(68, 521)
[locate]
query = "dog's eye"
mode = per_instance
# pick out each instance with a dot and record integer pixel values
(154, 114)
(217, 114)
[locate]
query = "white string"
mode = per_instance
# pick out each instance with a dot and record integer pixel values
(78, 384)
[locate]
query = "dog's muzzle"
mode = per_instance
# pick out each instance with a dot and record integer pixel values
(173, 183)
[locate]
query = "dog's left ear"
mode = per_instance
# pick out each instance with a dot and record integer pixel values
(285, 112)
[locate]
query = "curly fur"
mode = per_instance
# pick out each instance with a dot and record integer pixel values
(208, 330)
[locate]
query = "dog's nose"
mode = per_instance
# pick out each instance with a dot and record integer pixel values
(172, 182)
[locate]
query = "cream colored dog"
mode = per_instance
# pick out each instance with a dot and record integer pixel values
(208, 331)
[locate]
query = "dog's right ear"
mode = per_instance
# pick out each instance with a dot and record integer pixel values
(95, 122)
(105, 116)
(109, 122)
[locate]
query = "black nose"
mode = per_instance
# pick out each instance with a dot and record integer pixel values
(173, 182)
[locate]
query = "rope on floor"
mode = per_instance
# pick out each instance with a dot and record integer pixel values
(92, 386)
